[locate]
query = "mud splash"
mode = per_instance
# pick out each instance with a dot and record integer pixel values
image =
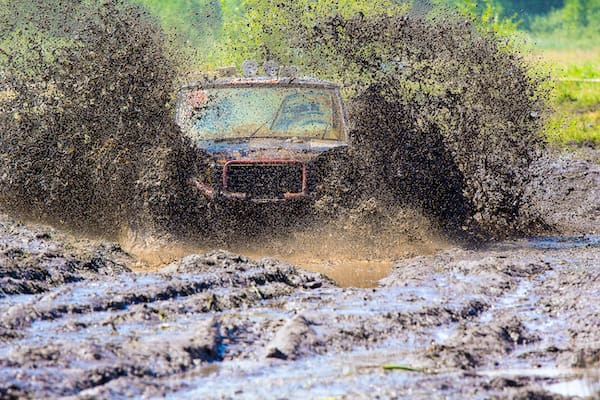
(352, 252)
(88, 139)
(446, 115)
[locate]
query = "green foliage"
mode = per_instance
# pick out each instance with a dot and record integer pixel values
(530, 7)
(192, 28)
(526, 11)
(576, 97)
(488, 13)
(576, 24)
(571, 126)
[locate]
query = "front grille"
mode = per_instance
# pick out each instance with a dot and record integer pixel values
(264, 180)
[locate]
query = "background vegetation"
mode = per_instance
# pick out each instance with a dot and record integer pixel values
(562, 34)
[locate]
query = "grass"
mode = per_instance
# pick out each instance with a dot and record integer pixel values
(576, 96)
(404, 368)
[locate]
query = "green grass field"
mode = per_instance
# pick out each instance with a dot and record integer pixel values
(576, 96)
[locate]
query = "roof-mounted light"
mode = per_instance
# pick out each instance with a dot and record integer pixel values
(270, 68)
(249, 68)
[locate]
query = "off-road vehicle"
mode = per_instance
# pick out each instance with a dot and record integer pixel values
(267, 139)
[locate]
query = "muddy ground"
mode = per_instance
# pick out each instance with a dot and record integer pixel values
(517, 319)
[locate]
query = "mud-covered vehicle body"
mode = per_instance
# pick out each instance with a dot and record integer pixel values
(265, 139)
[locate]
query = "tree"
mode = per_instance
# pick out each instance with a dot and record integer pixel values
(574, 15)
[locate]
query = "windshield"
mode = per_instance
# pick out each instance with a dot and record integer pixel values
(261, 112)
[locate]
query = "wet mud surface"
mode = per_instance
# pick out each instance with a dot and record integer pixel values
(515, 319)
(565, 190)
(35, 258)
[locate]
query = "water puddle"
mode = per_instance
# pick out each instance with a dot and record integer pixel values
(553, 242)
(350, 263)
(584, 384)
(582, 388)
(349, 272)
(346, 272)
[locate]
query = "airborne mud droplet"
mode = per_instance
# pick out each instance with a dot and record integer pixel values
(88, 139)
(441, 116)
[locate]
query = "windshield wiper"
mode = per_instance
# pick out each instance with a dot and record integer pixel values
(271, 120)
(259, 128)
(326, 130)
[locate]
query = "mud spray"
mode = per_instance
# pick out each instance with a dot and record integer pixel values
(445, 124)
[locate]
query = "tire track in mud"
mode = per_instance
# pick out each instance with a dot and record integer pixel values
(36, 258)
(103, 316)
(493, 281)
(527, 335)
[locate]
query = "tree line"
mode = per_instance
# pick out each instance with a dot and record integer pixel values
(209, 23)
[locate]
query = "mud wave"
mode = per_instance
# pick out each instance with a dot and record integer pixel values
(88, 139)
(446, 117)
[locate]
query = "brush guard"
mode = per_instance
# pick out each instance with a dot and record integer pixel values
(265, 180)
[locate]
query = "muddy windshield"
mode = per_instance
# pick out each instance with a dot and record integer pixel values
(263, 112)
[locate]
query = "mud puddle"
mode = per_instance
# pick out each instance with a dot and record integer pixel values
(349, 261)
(346, 272)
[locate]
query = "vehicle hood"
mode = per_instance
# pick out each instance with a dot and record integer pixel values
(267, 149)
